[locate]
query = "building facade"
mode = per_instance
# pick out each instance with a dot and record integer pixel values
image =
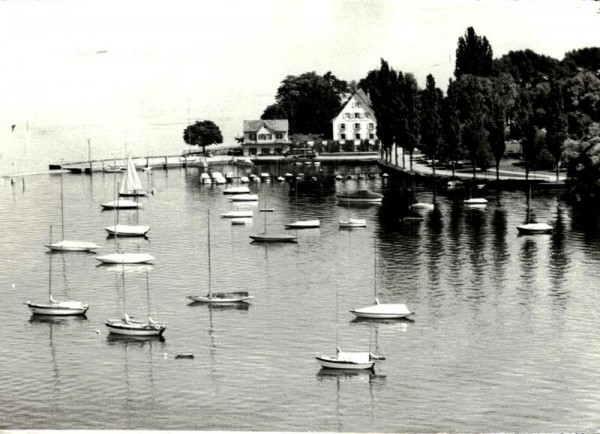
(356, 121)
(266, 137)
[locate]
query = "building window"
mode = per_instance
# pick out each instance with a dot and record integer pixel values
(357, 126)
(252, 151)
(279, 136)
(371, 126)
(252, 136)
(265, 136)
(356, 115)
(342, 136)
(278, 151)
(342, 126)
(368, 115)
(347, 115)
(371, 136)
(357, 136)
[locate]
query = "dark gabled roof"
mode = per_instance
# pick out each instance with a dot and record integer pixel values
(278, 125)
(364, 97)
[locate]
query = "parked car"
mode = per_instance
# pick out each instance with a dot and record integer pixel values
(301, 153)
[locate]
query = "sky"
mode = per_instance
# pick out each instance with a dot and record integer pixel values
(124, 64)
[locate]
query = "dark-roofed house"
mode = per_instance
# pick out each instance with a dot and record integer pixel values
(266, 137)
(356, 121)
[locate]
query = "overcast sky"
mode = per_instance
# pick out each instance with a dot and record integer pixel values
(106, 60)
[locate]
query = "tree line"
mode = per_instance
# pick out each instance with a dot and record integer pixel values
(551, 107)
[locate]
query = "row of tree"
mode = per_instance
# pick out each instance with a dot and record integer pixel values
(534, 99)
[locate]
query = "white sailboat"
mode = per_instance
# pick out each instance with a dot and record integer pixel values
(271, 238)
(52, 306)
(128, 326)
(382, 310)
(67, 245)
(347, 360)
(131, 185)
(122, 230)
(120, 257)
(218, 297)
(531, 226)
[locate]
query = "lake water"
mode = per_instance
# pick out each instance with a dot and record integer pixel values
(505, 335)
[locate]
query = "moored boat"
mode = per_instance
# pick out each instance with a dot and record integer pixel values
(353, 223)
(364, 195)
(303, 224)
(355, 360)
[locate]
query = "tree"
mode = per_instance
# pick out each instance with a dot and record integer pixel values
(431, 119)
(502, 103)
(382, 87)
(309, 102)
(407, 125)
(451, 125)
(556, 126)
(202, 133)
(473, 55)
(524, 129)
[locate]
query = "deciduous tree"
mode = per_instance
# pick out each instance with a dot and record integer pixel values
(202, 133)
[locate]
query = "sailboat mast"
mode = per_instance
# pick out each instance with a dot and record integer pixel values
(209, 270)
(265, 210)
(62, 207)
(148, 293)
(375, 268)
(50, 269)
(124, 304)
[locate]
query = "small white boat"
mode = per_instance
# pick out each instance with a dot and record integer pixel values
(219, 180)
(127, 230)
(237, 190)
(383, 311)
(131, 184)
(52, 306)
(244, 198)
(280, 178)
(475, 201)
(241, 220)
(237, 214)
(180, 355)
(422, 206)
(126, 258)
(73, 246)
(113, 169)
(130, 327)
(303, 224)
(121, 204)
(67, 245)
(244, 180)
(205, 178)
(273, 238)
(265, 177)
(535, 228)
(379, 310)
(356, 360)
(365, 195)
(353, 223)
(218, 297)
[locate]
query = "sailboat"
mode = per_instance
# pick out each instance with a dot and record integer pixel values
(127, 230)
(347, 360)
(272, 238)
(120, 257)
(66, 245)
(131, 185)
(218, 297)
(127, 326)
(351, 222)
(382, 310)
(302, 224)
(531, 226)
(54, 307)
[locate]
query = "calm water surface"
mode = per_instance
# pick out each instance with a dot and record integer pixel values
(504, 336)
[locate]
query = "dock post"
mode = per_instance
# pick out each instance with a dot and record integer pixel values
(166, 165)
(147, 162)
(90, 155)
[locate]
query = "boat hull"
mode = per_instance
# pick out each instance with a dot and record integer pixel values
(72, 246)
(237, 214)
(383, 311)
(126, 258)
(58, 309)
(121, 204)
(334, 363)
(221, 297)
(124, 329)
(307, 224)
(127, 230)
(534, 229)
(353, 223)
(274, 238)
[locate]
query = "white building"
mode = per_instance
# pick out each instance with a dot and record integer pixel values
(356, 121)
(269, 136)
